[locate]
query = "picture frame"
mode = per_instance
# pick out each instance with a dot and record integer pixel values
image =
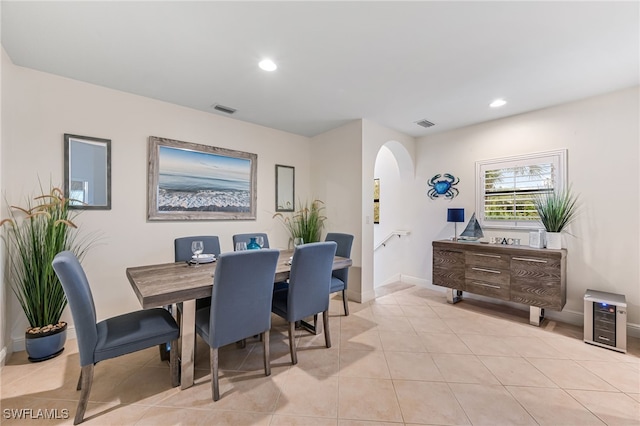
(189, 181)
(285, 188)
(87, 172)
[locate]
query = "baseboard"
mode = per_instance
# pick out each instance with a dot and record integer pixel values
(18, 343)
(565, 316)
(394, 279)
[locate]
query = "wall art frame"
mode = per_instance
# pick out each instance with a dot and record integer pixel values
(189, 181)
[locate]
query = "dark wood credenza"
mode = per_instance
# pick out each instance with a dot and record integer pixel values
(534, 277)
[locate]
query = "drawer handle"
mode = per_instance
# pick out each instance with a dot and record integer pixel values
(486, 255)
(604, 338)
(486, 270)
(529, 259)
(485, 284)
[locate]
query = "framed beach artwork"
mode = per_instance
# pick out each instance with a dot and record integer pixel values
(189, 181)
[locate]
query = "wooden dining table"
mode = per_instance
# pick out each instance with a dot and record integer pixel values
(181, 282)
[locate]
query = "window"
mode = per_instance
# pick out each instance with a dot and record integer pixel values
(508, 186)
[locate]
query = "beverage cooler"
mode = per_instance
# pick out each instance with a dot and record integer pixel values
(605, 320)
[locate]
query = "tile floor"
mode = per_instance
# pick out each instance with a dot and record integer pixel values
(406, 358)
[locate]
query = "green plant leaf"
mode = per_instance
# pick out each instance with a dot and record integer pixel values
(557, 209)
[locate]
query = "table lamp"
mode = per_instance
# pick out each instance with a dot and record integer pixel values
(455, 216)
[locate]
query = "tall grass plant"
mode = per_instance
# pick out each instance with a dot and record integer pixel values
(557, 209)
(306, 222)
(34, 235)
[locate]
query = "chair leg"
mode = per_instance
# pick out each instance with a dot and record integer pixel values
(292, 343)
(345, 302)
(215, 388)
(174, 364)
(79, 381)
(325, 323)
(87, 380)
(267, 362)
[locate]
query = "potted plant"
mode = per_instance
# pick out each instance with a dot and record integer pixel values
(34, 235)
(556, 211)
(306, 222)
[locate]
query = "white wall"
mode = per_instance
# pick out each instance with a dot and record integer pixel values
(3, 288)
(602, 138)
(336, 180)
(38, 108)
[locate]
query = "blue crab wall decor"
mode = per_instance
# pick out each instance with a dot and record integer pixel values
(443, 186)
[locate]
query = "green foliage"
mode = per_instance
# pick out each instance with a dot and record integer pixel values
(34, 236)
(556, 209)
(306, 222)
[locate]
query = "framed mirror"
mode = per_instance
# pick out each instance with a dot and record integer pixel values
(87, 172)
(285, 188)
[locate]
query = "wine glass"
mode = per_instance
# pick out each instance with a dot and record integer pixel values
(298, 241)
(260, 241)
(197, 247)
(241, 245)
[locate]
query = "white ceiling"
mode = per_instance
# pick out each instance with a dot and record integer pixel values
(390, 62)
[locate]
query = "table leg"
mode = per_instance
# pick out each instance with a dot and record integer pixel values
(188, 344)
(453, 295)
(536, 315)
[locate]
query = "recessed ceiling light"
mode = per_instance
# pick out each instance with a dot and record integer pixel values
(268, 65)
(497, 103)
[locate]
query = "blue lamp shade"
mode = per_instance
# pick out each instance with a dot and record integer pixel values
(455, 215)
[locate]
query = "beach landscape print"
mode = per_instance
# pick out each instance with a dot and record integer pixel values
(190, 181)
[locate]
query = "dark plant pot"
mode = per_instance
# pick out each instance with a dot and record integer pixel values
(44, 346)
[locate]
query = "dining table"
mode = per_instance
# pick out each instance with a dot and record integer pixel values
(182, 282)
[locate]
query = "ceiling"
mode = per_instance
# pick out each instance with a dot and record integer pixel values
(393, 63)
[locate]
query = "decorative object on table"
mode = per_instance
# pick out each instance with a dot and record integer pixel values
(456, 216)
(306, 222)
(443, 187)
(376, 200)
(473, 231)
(253, 244)
(556, 209)
(188, 181)
(87, 187)
(285, 188)
(34, 235)
(537, 238)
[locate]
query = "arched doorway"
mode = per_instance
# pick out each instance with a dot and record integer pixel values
(394, 170)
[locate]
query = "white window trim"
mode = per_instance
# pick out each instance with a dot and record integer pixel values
(560, 157)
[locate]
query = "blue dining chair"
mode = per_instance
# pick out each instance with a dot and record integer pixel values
(182, 246)
(182, 253)
(240, 304)
(340, 277)
(308, 291)
(246, 238)
(112, 337)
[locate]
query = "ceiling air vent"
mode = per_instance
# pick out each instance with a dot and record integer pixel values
(225, 109)
(425, 123)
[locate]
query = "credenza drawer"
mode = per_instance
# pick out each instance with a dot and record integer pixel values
(448, 268)
(490, 289)
(487, 260)
(487, 274)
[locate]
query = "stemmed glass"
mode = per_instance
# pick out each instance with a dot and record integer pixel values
(197, 247)
(298, 241)
(260, 241)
